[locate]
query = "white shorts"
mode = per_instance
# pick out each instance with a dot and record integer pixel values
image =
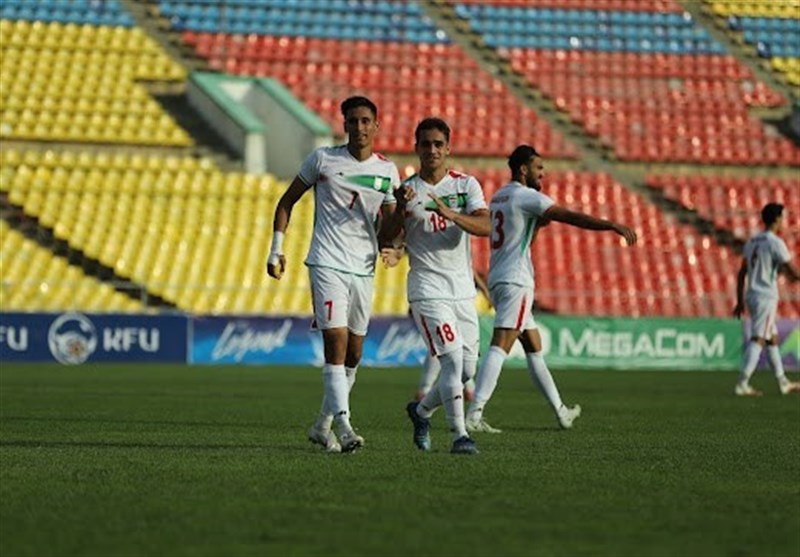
(763, 316)
(340, 300)
(448, 325)
(513, 307)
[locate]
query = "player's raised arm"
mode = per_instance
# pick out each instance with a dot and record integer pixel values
(588, 222)
(393, 216)
(790, 271)
(276, 262)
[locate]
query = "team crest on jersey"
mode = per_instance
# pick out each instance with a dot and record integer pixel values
(382, 184)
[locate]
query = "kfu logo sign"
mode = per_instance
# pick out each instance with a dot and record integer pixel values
(72, 338)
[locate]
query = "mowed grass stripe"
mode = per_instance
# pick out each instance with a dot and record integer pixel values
(173, 460)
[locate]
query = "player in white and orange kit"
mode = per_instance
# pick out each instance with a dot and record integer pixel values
(352, 185)
(763, 257)
(446, 207)
(516, 210)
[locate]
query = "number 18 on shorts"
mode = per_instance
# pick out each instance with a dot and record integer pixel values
(438, 323)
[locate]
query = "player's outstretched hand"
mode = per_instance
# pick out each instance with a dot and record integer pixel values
(738, 311)
(391, 256)
(627, 233)
(276, 266)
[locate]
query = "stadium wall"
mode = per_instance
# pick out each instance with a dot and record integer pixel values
(568, 342)
(243, 110)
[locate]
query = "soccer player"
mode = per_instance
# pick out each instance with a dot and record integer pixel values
(764, 255)
(351, 185)
(446, 207)
(516, 209)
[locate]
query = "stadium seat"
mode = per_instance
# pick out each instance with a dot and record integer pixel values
(178, 227)
(33, 279)
(64, 82)
(388, 72)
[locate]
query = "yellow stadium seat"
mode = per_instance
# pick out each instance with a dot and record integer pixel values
(47, 64)
(177, 226)
(35, 279)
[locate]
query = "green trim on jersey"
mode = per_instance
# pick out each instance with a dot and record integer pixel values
(528, 234)
(454, 201)
(374, 182)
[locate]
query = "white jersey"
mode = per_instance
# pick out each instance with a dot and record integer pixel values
(514, 209)
(765, 253)
(348, 195)
(439, 251)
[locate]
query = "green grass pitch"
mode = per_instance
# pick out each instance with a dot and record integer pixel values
(175, 460)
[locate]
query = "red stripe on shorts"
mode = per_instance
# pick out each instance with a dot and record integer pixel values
(521, 313)
(428, 335)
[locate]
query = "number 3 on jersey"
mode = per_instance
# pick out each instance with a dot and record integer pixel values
(498, 236)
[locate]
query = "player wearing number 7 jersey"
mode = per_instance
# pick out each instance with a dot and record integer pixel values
(516, 210)
(764, 255)
(352, 184)
(446, 207)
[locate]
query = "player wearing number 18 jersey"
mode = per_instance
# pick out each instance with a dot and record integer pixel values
(764, 255)
(445, 208)
(352, 184)
(516, 210)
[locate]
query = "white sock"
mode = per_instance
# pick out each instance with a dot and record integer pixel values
(468, 375)
(350, 372)
(325, 419)
(451, 391)
(543, 379)
(337, 392)
(776, 363)
(486, 381)
(430, 372)
(751, 356)
(430, 402)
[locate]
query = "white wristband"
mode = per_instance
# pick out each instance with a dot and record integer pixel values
(277, 243)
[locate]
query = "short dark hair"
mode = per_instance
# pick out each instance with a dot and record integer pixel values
(432, 124)
(354, 102)
(521, 155)
(771, 212)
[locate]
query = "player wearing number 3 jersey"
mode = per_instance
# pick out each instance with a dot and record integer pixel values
(445, 208)
(516, 210)
(352, 185)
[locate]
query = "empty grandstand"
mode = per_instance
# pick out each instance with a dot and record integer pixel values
(661, 114)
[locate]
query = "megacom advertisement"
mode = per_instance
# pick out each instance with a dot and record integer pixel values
(625, 343)
(390, 342)
(76, 338)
